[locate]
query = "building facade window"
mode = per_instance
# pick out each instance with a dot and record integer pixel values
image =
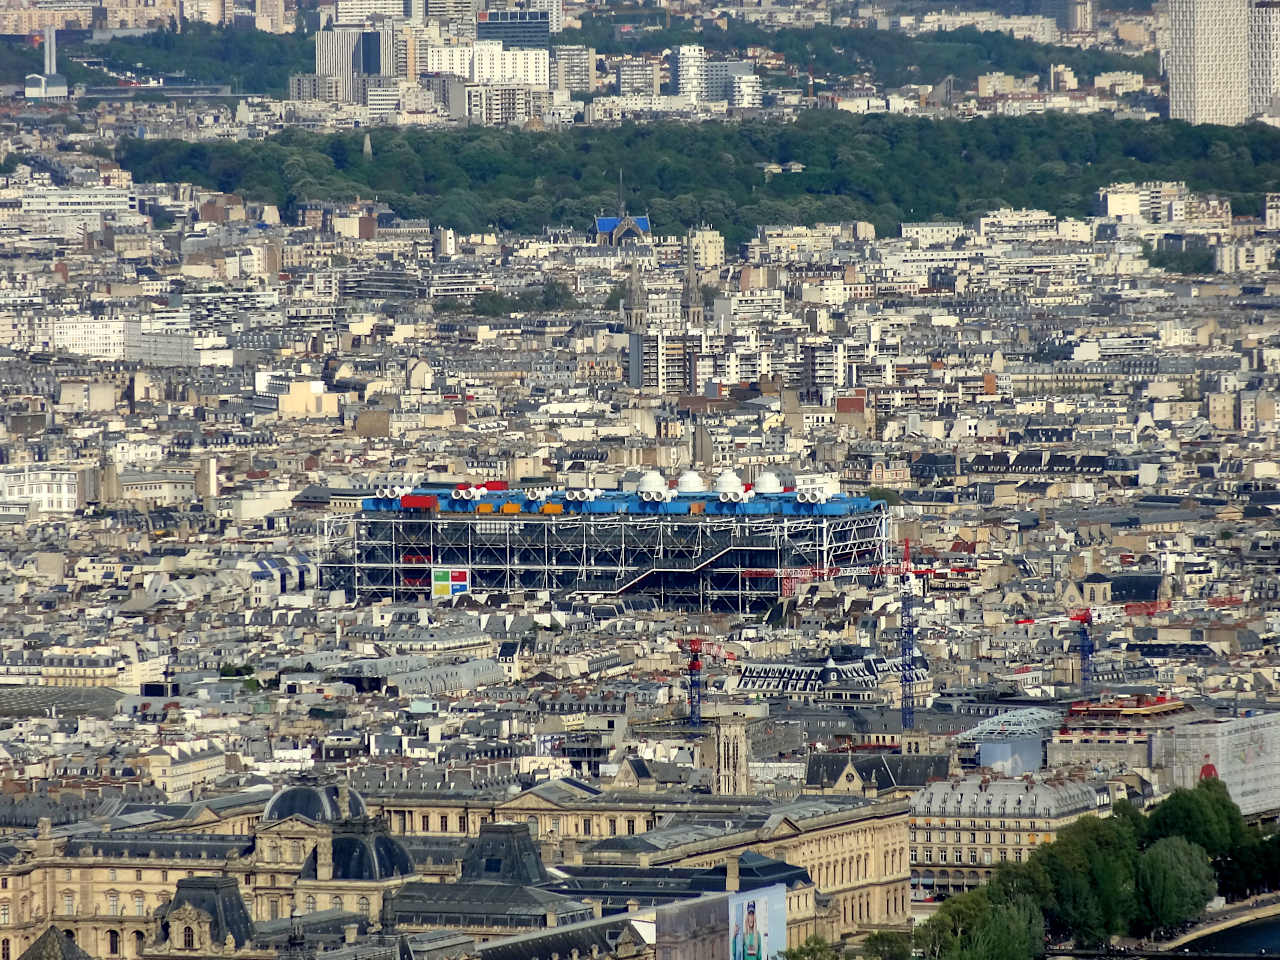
(188, 938)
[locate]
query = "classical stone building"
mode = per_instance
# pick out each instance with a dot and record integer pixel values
(963, 828)
(312, 849)
(410, 861)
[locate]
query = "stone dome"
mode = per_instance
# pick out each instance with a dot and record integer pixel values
(364, 856)
(316, 803)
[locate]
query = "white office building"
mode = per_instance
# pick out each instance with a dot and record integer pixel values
(1209, 61)
(718, 76)
(554, 10)
(358, 11)
(485, 61)
(573, 68)
(1264, 55)
(347, 52)
(745, 91)
(689, 72)
(48, 489)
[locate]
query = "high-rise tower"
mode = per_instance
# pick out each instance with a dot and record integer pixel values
(1264, 54)
(1209, 61)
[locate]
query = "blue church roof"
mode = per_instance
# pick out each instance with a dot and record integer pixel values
(609, 224)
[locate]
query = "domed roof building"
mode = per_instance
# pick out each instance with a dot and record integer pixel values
(320, 804)
(323, 850)
(361, 854)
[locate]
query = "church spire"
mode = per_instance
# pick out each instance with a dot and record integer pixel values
(635, 305)
(691, 293)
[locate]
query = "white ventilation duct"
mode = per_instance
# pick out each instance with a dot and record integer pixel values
(691, 482)
(728, 482)
(767, 482)
(652, 482)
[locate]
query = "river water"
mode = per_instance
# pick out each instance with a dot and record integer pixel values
(1250, 938)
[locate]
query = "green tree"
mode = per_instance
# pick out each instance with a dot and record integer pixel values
(1013, 931)
(887, 945)
(556, 295)
(956, 922)
(881, 168)
(614, 300)
(1090, 871)
(1175, 882)
(1204, 816)
(814, 948)
(891, 497)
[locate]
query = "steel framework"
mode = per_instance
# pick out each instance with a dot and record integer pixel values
(687, 561)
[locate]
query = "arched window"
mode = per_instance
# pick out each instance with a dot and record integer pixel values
(363, 905)
(311, 904)
(336, 903)
(188, 938)
(113, 943)
(138, 940)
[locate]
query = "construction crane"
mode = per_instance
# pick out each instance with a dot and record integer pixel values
(907, 641)
(906, 572)
(1085, 617)
(695, 648)
(695, 682)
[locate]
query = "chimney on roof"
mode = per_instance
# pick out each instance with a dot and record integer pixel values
(732, 876)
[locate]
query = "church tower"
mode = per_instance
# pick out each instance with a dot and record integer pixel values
(635, 305)
(691, 293)
(733, 776)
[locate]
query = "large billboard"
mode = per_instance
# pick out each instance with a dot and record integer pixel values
(724, 926)
(758, 923)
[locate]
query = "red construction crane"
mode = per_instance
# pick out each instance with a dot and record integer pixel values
(1085, 617)
(696, 648)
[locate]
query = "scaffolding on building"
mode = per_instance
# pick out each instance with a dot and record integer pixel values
(702, 562)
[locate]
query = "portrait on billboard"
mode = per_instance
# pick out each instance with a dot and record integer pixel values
(758, 924)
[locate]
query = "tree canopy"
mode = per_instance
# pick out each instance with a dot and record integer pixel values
(249, 60)
(881, 168)
(888, 57)
(1129, 874)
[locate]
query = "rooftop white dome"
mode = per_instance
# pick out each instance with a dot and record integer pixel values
(652, 482)
(767, 482)
(691, 482)
(728, 482)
